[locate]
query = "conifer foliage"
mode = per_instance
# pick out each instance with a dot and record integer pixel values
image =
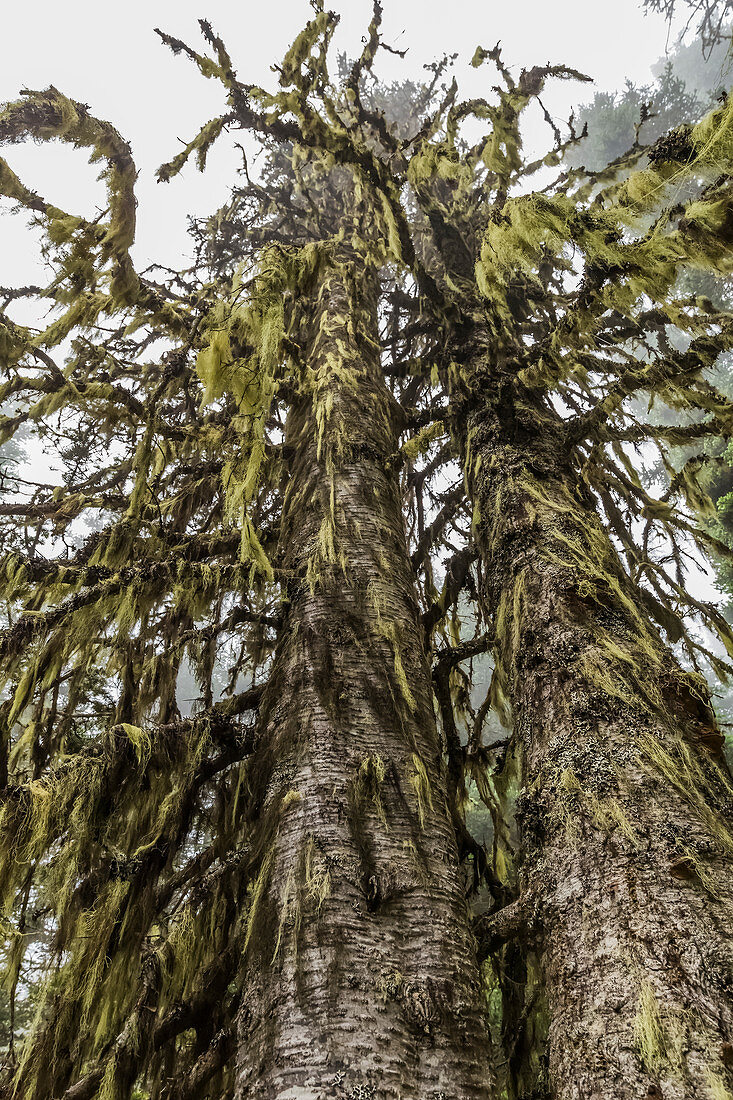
(518, 356)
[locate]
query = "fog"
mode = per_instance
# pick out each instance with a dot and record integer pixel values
(110, 58)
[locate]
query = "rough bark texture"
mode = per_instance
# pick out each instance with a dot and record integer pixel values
(624, 801)
(363, 979)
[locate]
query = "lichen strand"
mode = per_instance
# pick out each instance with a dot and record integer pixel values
(51, 115)
(626, 805)
(349, 880)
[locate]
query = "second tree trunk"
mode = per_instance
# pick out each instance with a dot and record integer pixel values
(625, 803)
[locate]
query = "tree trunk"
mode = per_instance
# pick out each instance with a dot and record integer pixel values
(362, 978)
(625, 803)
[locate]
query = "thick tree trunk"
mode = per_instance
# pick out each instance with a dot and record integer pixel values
(362, 979)
(625, 806)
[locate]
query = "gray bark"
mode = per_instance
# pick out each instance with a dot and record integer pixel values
(362, 974)
(625, 803)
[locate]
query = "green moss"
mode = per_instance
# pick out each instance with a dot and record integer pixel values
(141, 742)
(609, 814)
(316, 879)
(391, 629)
(366, 785)
(289, 911)
(421, 442)
(390, 986)
(569, 804)
(420, 782)
(290, 798)
(259, 888)
(651, 1040)
(684, 770)
(717, 1088)
(660, 1035)
(508, 632)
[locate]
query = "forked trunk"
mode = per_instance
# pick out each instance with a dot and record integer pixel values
(362, 973)
(625, 803)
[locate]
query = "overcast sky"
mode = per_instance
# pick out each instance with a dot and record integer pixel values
(109, 57)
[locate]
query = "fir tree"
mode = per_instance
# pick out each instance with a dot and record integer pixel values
(396, 390)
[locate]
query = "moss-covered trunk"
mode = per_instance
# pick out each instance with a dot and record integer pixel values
(625, 805)
(362, 979)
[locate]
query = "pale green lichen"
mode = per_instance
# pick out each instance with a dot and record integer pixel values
(420, 782)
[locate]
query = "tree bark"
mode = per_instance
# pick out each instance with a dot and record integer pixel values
(625, 803)
(362, 979)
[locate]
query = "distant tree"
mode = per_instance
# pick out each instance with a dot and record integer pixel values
(687, 84)
(706, 75)
(708, 19)
(641, 114)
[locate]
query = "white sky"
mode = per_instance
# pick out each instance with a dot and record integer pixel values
(109, 57)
